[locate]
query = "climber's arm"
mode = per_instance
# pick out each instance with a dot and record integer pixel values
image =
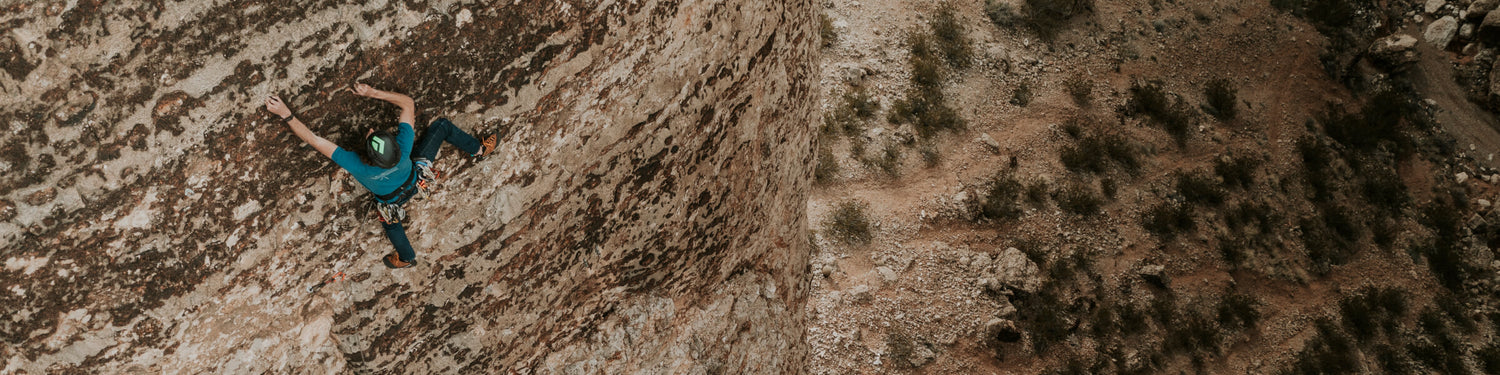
(408, 106)
(279, 108)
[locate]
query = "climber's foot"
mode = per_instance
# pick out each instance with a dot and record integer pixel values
(393, 261)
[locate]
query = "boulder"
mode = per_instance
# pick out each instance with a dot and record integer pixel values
(1395, 50)
(1155, 274)
(1433, 6)
(1480, 8)
(920, 355)
(1491, 24)
(1441, 32)
(1014, 271)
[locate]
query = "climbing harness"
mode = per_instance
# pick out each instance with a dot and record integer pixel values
(389, 208)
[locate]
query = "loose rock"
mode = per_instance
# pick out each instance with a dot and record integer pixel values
(1441, 32)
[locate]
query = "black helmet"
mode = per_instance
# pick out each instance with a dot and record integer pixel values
(381, 149)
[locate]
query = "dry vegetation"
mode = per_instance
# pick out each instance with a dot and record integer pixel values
(1181, 217)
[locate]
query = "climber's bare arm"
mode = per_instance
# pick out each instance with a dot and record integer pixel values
(408, 106)
(277, 107)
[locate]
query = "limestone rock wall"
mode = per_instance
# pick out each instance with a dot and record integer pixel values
(644, 212)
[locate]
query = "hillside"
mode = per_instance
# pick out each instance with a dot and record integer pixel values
(1076, 187)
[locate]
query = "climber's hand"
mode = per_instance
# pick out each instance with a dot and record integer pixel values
(276, 106)
(364, 90)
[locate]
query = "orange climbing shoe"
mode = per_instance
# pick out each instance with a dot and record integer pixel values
(394, 261)
(488, 144)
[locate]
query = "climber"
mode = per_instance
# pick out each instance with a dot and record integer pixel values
(387, 165)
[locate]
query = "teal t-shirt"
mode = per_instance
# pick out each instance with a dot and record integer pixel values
(380, 181)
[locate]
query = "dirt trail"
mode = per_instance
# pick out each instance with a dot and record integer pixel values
(1467, 122)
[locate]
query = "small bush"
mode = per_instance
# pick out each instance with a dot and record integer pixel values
(927, 111)
(1079, 200)
(1384, 118)
(899, 347)
(827, 168)
(1098, 153)
(1000, 13)
(1457, 313)
(1192, 333)
(1329, 352)
(1151, 101)
(1167, 219)
(930, 155)
(1238, 311)
(1107, 185)
(1000, 200)
(860, 104)
(1037, 192)
(1021, 97)
(1237, 171)
(849, 224)
(1222, 99)
(1374, 310)
(829, 35)
(951, 38)
(1048, 17)
(1385, 190)
(889, 161)
(1198, 188)
(1489, 358)
(1081, 89)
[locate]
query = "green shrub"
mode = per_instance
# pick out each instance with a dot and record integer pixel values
(930, 155)
(1000, 200)
(927, 111)
(1107, 185)
(1238, 171)
(951, 38)
(1048, 18)
(889, 161)
(1488, 358)
(1037, 192)
(899, 347)
(827, 168)
(1001, 13)
(1238, 311)
(1198, 188)
(849, 223)
(1150, 100)
(925, 106)
(829, 35)
(1081, 89)
(1168, 219)
(1222, 99)
(1384, 118)
(1373, 310)
(1385, 190)
(1097, 153)
(1021, 97)
(1328, 352)
(1457, 313)
(860, 104)
(1079, 200)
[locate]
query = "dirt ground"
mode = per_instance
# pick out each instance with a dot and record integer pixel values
(917, 277)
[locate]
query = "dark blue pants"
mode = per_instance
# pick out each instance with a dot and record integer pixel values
(427, 148)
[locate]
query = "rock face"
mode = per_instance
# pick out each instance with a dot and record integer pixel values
(643, 213)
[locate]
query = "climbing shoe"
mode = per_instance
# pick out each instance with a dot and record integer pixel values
(393, 261)
(487, 145)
